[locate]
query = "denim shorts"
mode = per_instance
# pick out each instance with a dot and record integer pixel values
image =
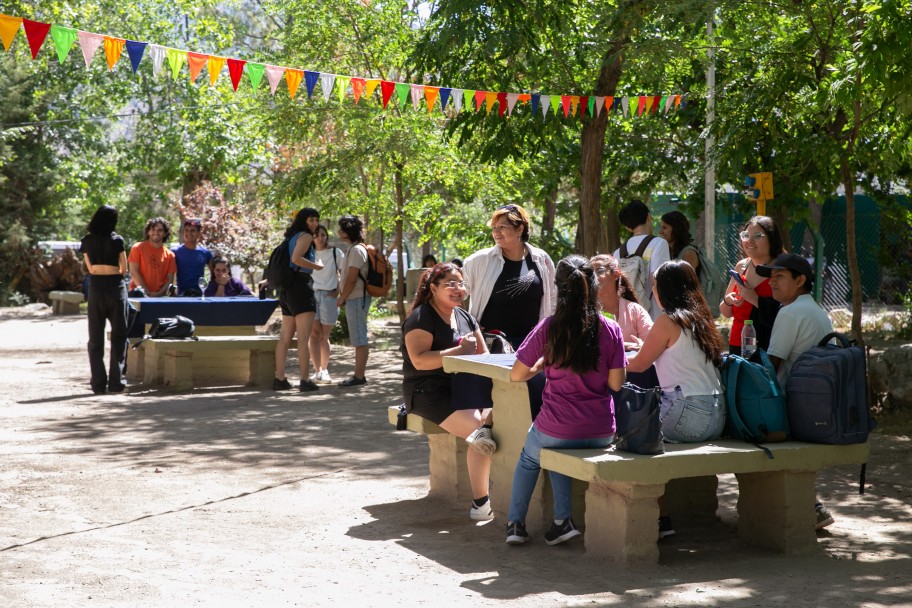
(327, 309)
(356, 315)
(691, 419)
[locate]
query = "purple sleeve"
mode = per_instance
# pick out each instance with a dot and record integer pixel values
(613, 345)
(533, 347)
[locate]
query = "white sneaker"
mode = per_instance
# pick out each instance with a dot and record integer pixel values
(313, 377)
(482, 441)
(323, 377)
(482, 513)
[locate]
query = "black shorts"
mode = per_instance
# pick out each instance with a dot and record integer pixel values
(436, 398)
(299, 298)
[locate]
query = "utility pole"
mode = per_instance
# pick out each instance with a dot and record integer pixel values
(709, 180)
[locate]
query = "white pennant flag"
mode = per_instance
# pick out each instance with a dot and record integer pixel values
(327, 81)
(158, 56)
(89, 43)
(599, 102)
(668, 101)
(511, 102)
(456, 100)
(417, 91)
(274, 73)
(545, 104)
(625, 103)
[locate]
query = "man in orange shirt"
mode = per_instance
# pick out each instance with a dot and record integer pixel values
(152, 265)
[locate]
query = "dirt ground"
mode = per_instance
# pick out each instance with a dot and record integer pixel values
(242, 497)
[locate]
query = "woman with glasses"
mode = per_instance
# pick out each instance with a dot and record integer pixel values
(752, 297)
(436, 327)
(512, 283)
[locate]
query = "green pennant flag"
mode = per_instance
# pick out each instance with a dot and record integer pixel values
(63, 37)
(176, 59)
(468, 96)
(662, 103)
(342, 84)
(402, 92)
(555, 103)
(591, 106)
(255, 74)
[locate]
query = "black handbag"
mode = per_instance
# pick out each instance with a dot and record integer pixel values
(636, 412)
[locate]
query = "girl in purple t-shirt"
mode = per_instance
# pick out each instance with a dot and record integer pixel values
(582, 354)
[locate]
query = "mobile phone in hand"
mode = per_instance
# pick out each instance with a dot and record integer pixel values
(736, 277)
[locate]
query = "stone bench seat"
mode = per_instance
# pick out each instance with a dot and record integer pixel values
(66, 302)
(775, 502)
(182, 364)
(449, 477)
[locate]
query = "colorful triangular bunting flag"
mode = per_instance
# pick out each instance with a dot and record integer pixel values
(35, 33)
(63, 38)
(196, 61)
(113, 48)
(135, 51)
(236, 71)
(9, 27)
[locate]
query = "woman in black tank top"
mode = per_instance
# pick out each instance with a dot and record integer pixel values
(105, 259)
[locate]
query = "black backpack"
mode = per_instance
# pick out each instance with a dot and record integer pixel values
(173, 328)
(279, 273)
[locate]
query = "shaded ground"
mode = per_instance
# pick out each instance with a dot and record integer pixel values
(239, 497)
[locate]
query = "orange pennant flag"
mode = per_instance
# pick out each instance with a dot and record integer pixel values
(574, 103)
(524, 97)
(648, 105)
(9, 27)
(293, 79)
(113, 48)
(490, 98)
(196, 61)
(677, 101)
(609, 101)
(479, 99)
(430, 94)
(358, 88)
(215, 65)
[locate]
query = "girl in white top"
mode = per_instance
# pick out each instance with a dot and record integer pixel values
(686, 348)
(326, 288)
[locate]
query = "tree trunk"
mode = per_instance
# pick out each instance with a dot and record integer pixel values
(592, 237)
(851, 253)
(400, 271)
(550, 213)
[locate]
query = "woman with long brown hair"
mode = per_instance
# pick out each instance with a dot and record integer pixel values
(436, 327)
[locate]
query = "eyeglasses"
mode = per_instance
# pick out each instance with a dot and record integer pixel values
(510, 207)
(453, 284)
(747, 236)
(601, 271)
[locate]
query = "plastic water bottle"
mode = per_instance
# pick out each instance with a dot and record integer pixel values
(748, 339)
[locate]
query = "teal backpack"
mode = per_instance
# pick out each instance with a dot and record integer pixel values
(756, 404)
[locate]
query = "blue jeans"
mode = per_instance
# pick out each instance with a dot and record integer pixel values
(526, 474)
(691, 419)
(356, 309)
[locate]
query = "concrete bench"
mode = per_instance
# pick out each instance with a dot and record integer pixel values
(66, 302)
(211, 360)
(449, 477)
(775, 502)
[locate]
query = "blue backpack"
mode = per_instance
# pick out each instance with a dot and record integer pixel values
(756, 404)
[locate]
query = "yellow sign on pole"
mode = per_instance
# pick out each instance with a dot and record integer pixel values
(759, 189)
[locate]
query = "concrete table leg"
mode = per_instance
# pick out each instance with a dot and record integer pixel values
(262, 368)
(622, 521)
(776, 510)
(449, 476)
(178, 370)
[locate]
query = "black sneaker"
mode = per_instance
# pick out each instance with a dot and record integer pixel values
(665, 527)
(516, 533)
(561, 532)
(280, 385)
(306, 386)
(353, 381)
(117, 388)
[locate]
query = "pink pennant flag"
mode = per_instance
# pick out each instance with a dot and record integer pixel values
(430, 95)
(599, 102)
(357, 88)
(35, 33)
(479, 99)
(89, 43)
(236, 70)
(196, 61)
(274, 75)
(565, 103)
(417, 92)
(512, 98)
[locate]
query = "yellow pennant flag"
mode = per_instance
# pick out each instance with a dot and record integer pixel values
(430, 94)
(113, 48)
(293, 80)
(649, 103)
(371, 85)
(9, 26)
(574, 104)
(215, 65)
(490, 100)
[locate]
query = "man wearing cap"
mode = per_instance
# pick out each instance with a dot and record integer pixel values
(800, 325)
(191, 258)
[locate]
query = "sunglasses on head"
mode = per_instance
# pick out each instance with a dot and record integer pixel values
(194, 223)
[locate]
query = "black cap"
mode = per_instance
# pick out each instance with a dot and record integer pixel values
(788, 261)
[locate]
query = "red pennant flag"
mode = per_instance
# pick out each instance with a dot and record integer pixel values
(656, 101)
(386, 91)
(479, 99)
(36, 32)
(584, 104)
(501, 104)
(236, 70)
(565, 101)
(641, 105)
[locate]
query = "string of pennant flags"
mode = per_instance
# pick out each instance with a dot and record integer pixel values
(63, 39)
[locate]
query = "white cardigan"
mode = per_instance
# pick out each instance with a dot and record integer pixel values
(482, 268)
